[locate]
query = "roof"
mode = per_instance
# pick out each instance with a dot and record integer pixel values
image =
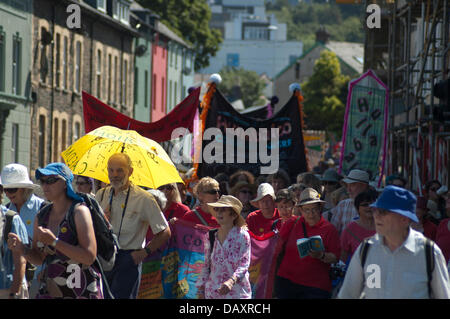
(348, 53)
(163, 29)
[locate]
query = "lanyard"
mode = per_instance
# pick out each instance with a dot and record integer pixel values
(124, 207)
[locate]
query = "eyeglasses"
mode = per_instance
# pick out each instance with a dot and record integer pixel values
(213, 191)
(49, 181)
(311, 211)
(10, 190)
(364, 204)
(166, 187)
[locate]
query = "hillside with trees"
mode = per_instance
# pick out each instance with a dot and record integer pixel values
(343, 21)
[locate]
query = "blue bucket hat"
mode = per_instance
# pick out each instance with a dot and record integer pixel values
(62, 170)
(398, 200)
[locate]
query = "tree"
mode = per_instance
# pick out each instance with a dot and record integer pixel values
(242, 84)
(324, 105)
(189, 19)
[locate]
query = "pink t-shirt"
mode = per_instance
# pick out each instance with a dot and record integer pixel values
(348, 242)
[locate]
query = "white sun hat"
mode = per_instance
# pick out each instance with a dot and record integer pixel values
(16, 176)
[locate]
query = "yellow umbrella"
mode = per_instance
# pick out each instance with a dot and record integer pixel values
(88, 156)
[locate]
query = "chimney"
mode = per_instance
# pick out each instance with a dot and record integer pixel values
(322, 35)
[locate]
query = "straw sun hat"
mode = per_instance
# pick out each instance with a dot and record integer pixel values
(231, 202)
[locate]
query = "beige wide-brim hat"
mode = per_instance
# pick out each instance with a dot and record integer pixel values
(228, 201)
(264, 189)
(309, 196)
(16, 176)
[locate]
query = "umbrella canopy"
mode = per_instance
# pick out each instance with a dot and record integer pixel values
(89, 155)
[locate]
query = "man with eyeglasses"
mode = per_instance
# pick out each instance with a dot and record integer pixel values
(131, 211)
(260, 221)
(397, 262)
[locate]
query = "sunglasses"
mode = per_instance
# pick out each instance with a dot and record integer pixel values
(81, 183)
(364, 204)
(244, 191)
(49, 181)
(166, 187)
(213, 192)
(10, 190)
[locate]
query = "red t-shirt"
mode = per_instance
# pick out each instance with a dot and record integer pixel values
(429, 229)
(443, 238)
(175, 210)
(192, 217)
(348, 242)
(308, 271)
(260, 225)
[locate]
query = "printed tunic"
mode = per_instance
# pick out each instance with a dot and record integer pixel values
(232, 257)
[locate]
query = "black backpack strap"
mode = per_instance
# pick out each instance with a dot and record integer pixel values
(429, 254)
(363, 252)
(304, 230)
(9, 216)
(275, 224)
(212, 238)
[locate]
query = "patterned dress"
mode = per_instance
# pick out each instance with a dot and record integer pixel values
(65, 278)
(227, 259)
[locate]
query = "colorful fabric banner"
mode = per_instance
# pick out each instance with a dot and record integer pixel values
(255, 137)
(365, 126)
(97, 114)
(262, 265)
(173, 272)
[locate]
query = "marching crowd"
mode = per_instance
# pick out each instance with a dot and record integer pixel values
(375, 242)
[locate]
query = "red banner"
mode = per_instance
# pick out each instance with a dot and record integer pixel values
(97, 114)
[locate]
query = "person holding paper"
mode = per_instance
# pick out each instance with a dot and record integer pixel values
(307, 277)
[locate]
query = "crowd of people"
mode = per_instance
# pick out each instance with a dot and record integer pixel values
(348, 213)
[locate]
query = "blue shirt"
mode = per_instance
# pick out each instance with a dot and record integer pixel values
(6, 262)
(28, 212)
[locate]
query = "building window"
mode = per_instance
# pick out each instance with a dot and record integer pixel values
(44, 60)
(297, 70)
(99, 74)
(77, 131)
(78, 67)
(63, 134)
(256, 33)
(15, 142)
(109, 76)
(58, 59)
(101, 5)
(136, 80)
(163, 81)
(64, 63)
(124, 82)
(170, 93)
(116, 80)
(55, 140)
(16, 64)
(146, 89)
(2, 60)
(233, 60)
(175, 94)
(154, 91)
(42, 143)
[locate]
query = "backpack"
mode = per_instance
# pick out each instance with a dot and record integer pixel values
(107, 243)
(429, 255)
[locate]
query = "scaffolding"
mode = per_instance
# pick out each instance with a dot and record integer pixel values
(418, 51)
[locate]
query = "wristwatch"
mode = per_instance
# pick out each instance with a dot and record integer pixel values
(148, 250)
(54, 243)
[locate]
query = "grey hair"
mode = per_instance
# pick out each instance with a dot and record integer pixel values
(159, 197)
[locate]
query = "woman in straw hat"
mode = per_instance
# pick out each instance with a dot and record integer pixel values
(225, 274)
(307, 277)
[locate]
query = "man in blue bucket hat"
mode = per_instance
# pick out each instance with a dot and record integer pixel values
(397, 262)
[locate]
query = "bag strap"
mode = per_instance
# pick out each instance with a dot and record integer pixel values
(200, 217)
(363, 252)
(304, 230)
(429, 254)
(353, 235)
(212, 238)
